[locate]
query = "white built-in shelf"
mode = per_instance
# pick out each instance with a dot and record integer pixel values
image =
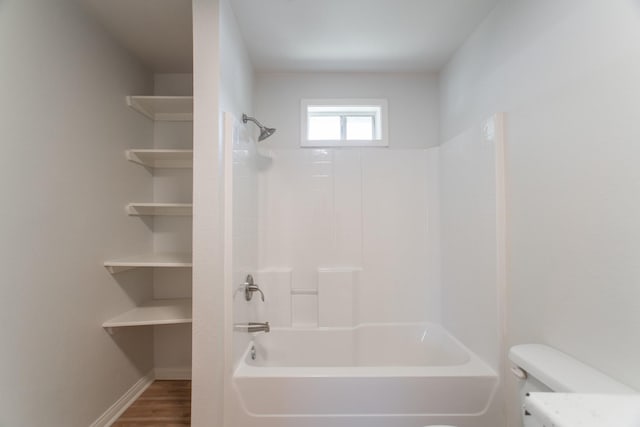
(155, 312)
(158, 260)
(158, 158)
(166, 209)
(163, 108)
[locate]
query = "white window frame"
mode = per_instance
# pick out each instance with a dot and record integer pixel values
(383, 141)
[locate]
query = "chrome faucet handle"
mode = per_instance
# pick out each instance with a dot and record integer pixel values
(250, 287)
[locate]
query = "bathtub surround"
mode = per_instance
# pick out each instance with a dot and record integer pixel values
(333, 303)
(244, 228)
(566, 74)
(356, 228)
(469, 237)
(276, 285)
(337, 301)
(473, 247)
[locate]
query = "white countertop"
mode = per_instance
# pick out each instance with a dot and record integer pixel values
(585, 410)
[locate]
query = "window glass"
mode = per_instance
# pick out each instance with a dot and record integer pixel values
(360, 128)
(324, 128)
(344, 122)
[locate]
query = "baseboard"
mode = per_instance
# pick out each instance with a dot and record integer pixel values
(172, 373)
(113, 413)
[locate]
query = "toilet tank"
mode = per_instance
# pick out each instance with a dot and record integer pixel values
(544, 369)
(558, 372)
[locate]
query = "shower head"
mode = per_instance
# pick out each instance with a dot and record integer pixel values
(265, 132)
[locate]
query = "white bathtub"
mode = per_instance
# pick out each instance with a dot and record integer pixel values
(373, 369)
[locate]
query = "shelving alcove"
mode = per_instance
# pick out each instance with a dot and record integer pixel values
(157, 311)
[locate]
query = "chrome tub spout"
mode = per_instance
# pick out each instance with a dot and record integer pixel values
(253, 327)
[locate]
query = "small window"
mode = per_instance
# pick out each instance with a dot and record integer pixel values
(344, 123)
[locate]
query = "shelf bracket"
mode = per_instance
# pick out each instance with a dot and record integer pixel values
(132, 103)
(113, 269)
(135, 159)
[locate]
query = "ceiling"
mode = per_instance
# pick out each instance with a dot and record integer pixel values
(356, 35)
(303, 35)
(158, 32)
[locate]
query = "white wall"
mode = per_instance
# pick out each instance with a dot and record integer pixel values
(222, 82)
(209, 317)
(413, 103)
(344, 233)
(64, 182)
(236, 71)
(566, 74)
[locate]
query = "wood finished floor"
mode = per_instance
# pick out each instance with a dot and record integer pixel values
(164, 403)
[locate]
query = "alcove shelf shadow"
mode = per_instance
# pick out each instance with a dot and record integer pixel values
(155, 260)
(161, 158)
(154, 312)
(163, 108)
(164, 209)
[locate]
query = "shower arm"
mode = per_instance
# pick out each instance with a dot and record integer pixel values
(246, 119)
(265, 132)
